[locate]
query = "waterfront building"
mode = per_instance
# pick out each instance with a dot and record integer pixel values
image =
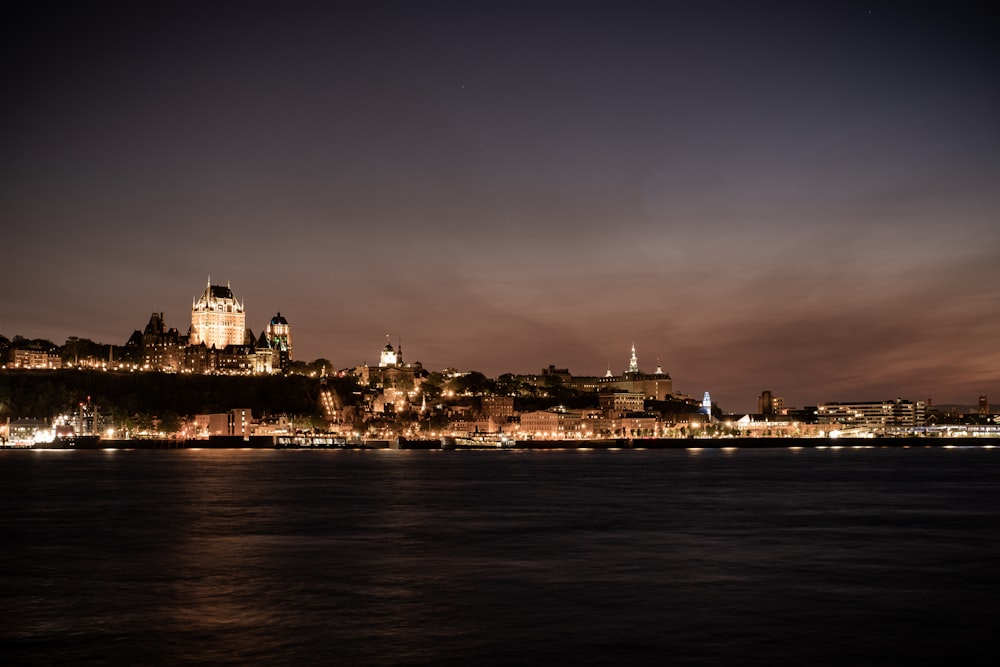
(630, 425)
(775, 426)
(28, 432)
(466, 426)
(234, 422)
(218, 319)
(873, 416)
(768, 404)
(556, 424)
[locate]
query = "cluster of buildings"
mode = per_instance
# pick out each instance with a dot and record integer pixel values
(218, 340)
(888, 418)
(632, 403)
(656, 386)
(395, 389)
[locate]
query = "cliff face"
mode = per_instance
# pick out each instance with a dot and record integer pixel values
(44, 394)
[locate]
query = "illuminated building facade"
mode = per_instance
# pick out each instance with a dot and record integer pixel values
(161, 347)
(768, 404)
(390, 358)
(620, 403)
(31, 358)
(217, 318)
(279, 335)
(555, 423)
(872, 415)
(657, 386)
(498, 406)
(235, 422)
(391, 371)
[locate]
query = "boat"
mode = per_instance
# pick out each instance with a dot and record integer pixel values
(71, 442)
(479, 441)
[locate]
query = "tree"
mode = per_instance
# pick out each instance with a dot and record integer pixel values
(508, 384)
(170, 422)
(431, 386)
(472, 383)
(315, 368)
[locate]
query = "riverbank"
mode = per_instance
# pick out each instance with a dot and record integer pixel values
(330, 442)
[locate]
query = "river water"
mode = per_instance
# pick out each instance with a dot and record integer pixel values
(688, 557)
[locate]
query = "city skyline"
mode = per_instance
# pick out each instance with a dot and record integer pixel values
(801, 199)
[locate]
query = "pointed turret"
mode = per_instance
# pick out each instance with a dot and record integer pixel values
(633, 363)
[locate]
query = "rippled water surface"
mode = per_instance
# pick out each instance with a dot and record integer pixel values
(868, 556)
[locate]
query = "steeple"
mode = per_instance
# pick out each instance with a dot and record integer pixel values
(633, 363)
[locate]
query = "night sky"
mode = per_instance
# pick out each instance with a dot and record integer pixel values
(801, 197)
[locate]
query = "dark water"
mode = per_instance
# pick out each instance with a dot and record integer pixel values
(870, 556)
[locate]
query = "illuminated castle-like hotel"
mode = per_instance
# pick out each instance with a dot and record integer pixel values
(217, 342)
(217, 318)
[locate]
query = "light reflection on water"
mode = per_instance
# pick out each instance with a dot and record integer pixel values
(644, 557)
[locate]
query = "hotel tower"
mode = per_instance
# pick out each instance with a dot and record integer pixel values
(217, 318)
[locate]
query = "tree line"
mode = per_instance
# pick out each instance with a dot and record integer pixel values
(42, 394)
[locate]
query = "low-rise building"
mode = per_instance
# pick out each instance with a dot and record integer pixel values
(555, 424)
(874, 416)
(235, 422)
(32, 358)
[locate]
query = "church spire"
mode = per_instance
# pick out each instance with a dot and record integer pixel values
(633, 363)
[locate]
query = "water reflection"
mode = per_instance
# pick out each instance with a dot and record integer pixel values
(699, 556)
